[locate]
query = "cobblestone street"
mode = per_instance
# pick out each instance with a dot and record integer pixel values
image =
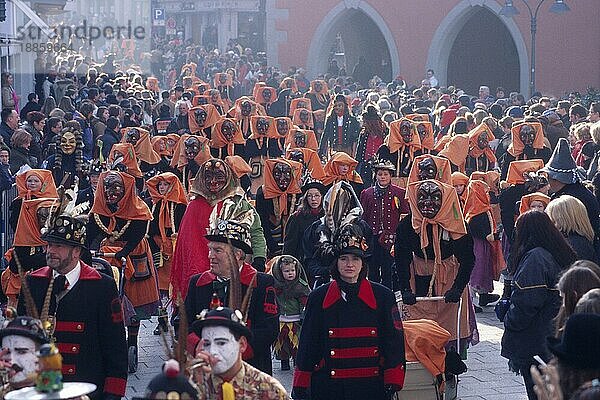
(488, 376)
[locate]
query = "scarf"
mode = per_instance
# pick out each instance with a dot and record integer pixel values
(456, 150)
(299, 103)
(28, 232)
(179, 160)
(212, 117)
(474, 150)
(144, 150)
(478, 199)
(516, 148)
(130, 207)
(310, 139)
(449, 218)
(332, 172)
(270, 188)
(298, 122)
(218, 140)
(47, 190)
(396, 143)
(427, 143)
(530, 198)
(444, 171)
(175, 194)
(516, 170)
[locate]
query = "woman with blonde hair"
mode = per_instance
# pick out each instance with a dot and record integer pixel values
(570, 217)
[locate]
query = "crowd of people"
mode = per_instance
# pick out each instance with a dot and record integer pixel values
(256, 211)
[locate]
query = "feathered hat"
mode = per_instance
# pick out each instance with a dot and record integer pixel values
(231, 225)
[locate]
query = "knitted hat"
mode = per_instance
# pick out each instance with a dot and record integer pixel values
(561, 165)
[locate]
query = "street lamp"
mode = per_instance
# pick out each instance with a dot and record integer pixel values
(509, 11)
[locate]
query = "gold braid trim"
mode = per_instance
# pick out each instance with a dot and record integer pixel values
(113, 236)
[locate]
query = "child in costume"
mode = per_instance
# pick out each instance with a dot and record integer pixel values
(291, 287)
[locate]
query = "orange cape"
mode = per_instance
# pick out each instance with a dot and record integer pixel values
(478, 199)
(517, 169)
(212, 117)
(332, 173)
(175, 193)
(309, 137)
(456, 150)
(458, 178)
(312, 162)
(180, 160)
(130, 160)
(289, 83)
(395, 142)
(28, 232)
(271, 131)
(270, 188)
(144, 150)
(444, 171)
(228, 81)
(474, 150)
(530, 198)
(159, 144)
(259, 98)
(238, 165)
(300, 103)
(47, 190)
(130, 207)
(298, 122)
(492, 178)
(516, 147)
(449, 217)
(219, 141)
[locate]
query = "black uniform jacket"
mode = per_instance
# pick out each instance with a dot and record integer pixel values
(263, 315)
(351, 347)
(90, 333)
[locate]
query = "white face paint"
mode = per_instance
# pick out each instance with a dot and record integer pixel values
(218, 341)
(21, 354)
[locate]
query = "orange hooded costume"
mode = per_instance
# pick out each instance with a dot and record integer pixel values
(48, 188)
(130, 160)
(272, 191)
(530, 198)
(309, 137)
(444, 172)
(212, 117)
(175, 195)
(456, 150)
(298, 121)
(517, 147)
(517, 169)
(144, 150)
(311, 161)
(299, 103)
(218, 140)
(332, 173)
(427, 142)
(474, 150)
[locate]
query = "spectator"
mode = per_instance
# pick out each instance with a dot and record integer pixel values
(10, 122)
(539, 254)
(562, 109)
(577, 114)
(20, 142)
(6, 178)
(594, 112)
(110, 137)
(10, 99)
(31, 105)
(433, 82)
(36, 121)
(48, 106)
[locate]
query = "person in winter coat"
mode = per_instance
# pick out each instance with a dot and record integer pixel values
(540, 253)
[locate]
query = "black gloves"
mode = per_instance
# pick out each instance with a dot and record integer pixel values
(408, 297)
(452, 296)
(259, 264)
(120, 254)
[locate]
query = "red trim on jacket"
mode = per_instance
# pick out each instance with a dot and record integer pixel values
(355, 352)
(394, 376)
(355, 332)
(69, 326)
(349, 373)
(115, 386)
(365, 293)
(87, 273)
(68, 348)
(246, 274)
(301, 378)
(68, 369)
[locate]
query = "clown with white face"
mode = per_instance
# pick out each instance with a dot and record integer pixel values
(21, 339)
(220, 371)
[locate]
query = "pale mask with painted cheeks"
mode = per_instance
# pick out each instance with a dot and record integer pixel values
(68, 143)
(220, 344)
(21, 355)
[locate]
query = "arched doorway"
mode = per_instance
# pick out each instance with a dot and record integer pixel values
(484, 53)
(361, 32)
(473, 46)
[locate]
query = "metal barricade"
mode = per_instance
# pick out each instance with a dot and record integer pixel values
(6, 232)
